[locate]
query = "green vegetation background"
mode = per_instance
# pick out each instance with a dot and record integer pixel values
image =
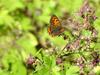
(23, 31)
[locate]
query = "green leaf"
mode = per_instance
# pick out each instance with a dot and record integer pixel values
(28, 42)
(11, 5)
(72, 70)
(86, 33)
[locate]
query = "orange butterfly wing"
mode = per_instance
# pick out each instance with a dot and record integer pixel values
(54, 21)
(55, 27)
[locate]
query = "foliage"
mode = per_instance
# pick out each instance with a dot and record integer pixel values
(26, 48)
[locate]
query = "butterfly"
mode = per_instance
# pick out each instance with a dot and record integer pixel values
(55, 27)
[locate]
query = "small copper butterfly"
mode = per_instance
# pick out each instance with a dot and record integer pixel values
(55, 27)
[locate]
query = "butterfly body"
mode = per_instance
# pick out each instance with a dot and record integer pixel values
(55, 27)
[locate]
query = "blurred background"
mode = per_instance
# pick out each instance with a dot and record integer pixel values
(23, 30)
